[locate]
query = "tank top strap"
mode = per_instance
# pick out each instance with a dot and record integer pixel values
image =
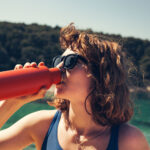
(51, 140)
(113, 142)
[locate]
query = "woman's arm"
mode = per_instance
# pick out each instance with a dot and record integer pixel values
(27, 129)
(30, 129)
(18, 135)
(9, 107)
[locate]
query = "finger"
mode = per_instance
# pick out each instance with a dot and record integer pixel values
(41, 64)
(41, 93)
(18, 66)
(29, 98)
(27, 65)
(33, 64)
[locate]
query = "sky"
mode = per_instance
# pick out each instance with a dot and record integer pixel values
(129, 18)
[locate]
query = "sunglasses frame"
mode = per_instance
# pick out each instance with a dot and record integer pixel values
(64, 58)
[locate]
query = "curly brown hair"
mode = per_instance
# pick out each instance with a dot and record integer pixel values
(110, 102)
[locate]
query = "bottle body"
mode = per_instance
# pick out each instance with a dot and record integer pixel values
(27, 81)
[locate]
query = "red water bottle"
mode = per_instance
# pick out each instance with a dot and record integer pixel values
(21, 82)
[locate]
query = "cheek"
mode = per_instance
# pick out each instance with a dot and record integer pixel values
(77, 85)
(78, 81)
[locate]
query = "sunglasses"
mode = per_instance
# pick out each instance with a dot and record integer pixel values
(69, 61)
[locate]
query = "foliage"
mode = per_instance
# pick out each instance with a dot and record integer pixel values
(20, 43)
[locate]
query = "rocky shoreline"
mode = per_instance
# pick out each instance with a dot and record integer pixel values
(140, 92)
(135, 93)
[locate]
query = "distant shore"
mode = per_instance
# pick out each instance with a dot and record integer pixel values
(136, 92)
(140, 92)
(139, 89)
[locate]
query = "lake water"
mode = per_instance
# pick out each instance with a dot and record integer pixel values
(141, 118)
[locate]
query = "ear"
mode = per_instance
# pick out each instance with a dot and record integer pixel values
(87, 70)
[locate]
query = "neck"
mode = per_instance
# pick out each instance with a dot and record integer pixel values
(81, 122)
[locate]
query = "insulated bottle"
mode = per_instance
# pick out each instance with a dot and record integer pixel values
(22, 82)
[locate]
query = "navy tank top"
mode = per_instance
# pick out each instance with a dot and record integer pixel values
(51, 139)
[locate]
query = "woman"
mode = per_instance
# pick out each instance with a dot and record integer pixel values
(93, 105)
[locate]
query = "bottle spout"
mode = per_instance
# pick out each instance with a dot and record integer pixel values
(55, 75)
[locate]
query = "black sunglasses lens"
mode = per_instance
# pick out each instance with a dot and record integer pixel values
(56, 61)
(70, 62)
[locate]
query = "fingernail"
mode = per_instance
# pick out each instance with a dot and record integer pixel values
(41, 64)
(34, 65)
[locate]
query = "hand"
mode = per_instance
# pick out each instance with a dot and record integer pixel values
(29, 98)
(39, 95)
(10, 106)
(28, 65)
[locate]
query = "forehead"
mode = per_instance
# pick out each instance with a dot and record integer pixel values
(67, 52)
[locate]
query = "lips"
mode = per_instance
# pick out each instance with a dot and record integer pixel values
(62, 82)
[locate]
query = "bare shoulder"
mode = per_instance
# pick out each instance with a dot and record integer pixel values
(131, 138)
(30, 129)
(39, 116)
(38, 125)
(39, 122)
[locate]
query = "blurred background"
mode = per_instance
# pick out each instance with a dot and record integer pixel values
(29, 31)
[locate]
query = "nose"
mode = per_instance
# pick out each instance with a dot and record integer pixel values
(60, 66)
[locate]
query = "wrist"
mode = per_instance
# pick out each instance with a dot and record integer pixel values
(10, 104)
(7, 109)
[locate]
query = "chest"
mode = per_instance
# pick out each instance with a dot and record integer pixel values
(68, 141)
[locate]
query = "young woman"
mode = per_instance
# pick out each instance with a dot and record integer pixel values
(92, 101)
